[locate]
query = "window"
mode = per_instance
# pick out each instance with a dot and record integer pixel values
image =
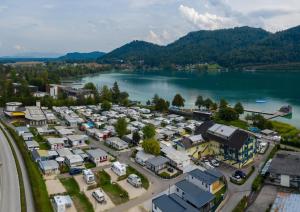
(177, 189)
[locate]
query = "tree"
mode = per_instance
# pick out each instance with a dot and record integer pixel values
(223, 103)
(106, 105)
(149, 131)
(151, 146)
(155, 99)
(121, 127)
(208, 103)
(178, 101)
(228, 114)
(136, 138)
(115, 92)
(199, 101)
(105, 94)
(90, 86)
(148, 103)
(162, 105)
(239, 108)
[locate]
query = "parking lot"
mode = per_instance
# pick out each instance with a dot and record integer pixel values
(132, 191)
(99, 206)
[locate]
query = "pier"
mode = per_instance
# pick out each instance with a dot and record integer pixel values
(268, 115)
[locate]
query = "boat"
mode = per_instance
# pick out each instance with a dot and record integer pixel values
(261, 101)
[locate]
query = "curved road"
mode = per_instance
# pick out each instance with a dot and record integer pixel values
(27, 186)
(9, 181)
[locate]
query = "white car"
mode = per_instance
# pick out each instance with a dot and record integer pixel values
(208, 165)
(215, 163)
(99, 196)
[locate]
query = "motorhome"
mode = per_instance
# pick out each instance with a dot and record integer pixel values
(88, 176)
(119, 168)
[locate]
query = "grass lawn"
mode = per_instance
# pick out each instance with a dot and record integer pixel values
(130, 170)
(236, 123)
(89, 165)
(290, 134)
(81, 202)
(115, 192)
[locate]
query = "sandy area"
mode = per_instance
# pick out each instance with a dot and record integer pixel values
(55, 187)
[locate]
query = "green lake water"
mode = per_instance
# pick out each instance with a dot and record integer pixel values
(277, 88)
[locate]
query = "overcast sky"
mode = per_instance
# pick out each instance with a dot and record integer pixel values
(60, 26)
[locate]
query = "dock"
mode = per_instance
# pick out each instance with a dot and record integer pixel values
(268, 115)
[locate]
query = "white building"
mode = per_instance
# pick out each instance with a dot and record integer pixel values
(74, 160)
(61, 203)
(77, 140)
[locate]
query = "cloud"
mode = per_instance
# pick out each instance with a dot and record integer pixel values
(2, 8)
(271, 13)
(205, 20)
(161, 39)
(48, 6)
(19, 47)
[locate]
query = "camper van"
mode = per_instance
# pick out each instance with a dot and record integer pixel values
(99, 196)
(119, 168)
(88, 176)
(134, 180)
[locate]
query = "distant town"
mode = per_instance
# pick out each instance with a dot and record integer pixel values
(94, 149)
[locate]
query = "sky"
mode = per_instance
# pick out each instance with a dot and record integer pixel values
(61, 26)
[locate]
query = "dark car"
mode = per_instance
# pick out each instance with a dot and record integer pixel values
(75, 171)
(240, 173)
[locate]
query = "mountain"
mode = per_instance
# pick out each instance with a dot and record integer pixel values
(236, 47)
(81, 57)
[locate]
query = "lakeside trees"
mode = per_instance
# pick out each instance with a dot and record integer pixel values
(121, 127)
(178, 101)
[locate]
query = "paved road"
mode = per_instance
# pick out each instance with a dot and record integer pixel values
(9, 181)
(26, 181)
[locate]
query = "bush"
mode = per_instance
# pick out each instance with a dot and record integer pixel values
(151, 146)
(241, 206)
(257, 183)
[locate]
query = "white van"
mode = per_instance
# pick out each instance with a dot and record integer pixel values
(134, 180)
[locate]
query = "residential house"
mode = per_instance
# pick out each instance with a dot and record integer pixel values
(56, 143)
(22, 130)
(176, 158)
(194, 145)
(62, 203)
(77, 140)
(116, 143)
(74, 161)
(200, 199)
(97, 156)
(141, 157)
(156, 164)
(209, 180)
(49, 167)
(27, 136)
(42, 155)
(31, 145)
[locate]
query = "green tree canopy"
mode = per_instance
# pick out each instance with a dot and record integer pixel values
(239, 108)
(223, 103)
(90, 86)
(106, 105)
(105, 94)
(115, 92)
(178, 101)
(149, 131)
(121, 127)
(199, 101)
(228, 114)
(136, 138)
(162, 105)
(151, 146)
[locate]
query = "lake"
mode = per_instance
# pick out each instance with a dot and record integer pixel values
(277, 88)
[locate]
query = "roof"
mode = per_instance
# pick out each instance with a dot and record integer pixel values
(286, 202)
(77, 137)
(204, 176)
(235, 141)
(95, 153)
(175, 155)
(191, 141)
(159, 160)
(221, 130)
(22, 129)
(63, 200)
(31, 144)
(172, 203)
(194, 194)
(64, 152)
(74, 158)
(143, 155)
(54, 140)
(280, 161)
(34, 113)
(48, 165)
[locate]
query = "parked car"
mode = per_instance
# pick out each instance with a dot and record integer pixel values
(215, 163)
(240, 173)
(134, 180)
(208, 164)
(171, 170)
(75, 171)
(99, 196)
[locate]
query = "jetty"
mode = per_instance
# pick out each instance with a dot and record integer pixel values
(283, 111)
